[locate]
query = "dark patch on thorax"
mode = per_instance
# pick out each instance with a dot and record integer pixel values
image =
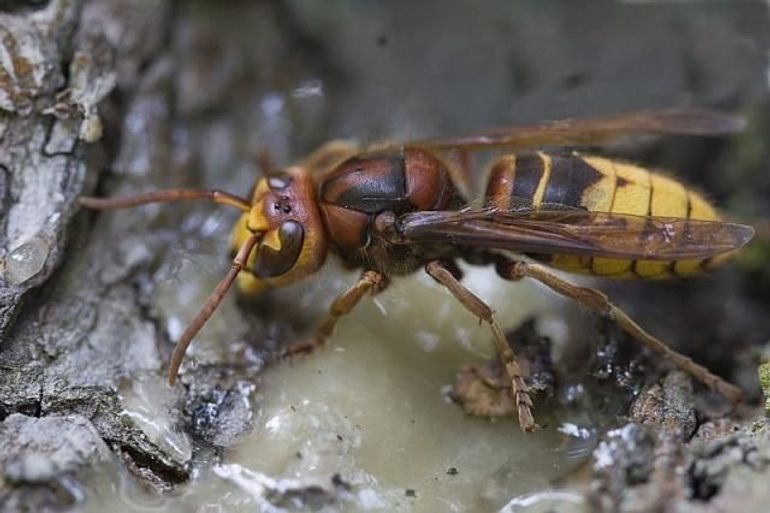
(370, 184)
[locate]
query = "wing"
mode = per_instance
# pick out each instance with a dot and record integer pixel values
(576, 232)
(583, 131)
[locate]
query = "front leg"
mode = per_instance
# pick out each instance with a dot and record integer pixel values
(442, 273)
(344, 303)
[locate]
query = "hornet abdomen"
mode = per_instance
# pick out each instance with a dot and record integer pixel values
(541, 180)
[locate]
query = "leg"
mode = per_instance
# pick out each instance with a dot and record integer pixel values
(597, 301)
(342, 305)
(441, 272)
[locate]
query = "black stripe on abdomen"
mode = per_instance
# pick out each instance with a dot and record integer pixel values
(570, 177)
(529, 172)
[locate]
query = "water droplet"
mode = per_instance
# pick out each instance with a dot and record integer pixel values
(26, 260)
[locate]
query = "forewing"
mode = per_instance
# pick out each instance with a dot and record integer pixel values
(593, 130)
(577, 232)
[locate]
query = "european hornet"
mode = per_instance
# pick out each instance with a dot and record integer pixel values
(395, 208)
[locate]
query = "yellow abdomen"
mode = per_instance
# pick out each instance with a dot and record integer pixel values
(600, 185)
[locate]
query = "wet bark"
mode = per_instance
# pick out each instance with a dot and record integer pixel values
(67, 341)
(120, 96)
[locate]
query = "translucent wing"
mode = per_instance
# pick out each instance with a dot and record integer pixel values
(576, 232)
(592, 130)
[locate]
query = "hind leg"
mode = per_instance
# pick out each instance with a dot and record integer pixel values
(597, 301)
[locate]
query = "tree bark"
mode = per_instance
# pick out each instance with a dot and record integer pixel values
(114, 97)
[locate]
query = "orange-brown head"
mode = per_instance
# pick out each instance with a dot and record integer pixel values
(294, 243)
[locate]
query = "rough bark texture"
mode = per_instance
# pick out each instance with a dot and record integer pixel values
(143, 94)
(76, 336)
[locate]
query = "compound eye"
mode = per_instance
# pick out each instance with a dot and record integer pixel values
(279, 250)
(278, 181)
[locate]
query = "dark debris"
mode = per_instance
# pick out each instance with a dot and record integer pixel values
(483, 390)
(220, 408)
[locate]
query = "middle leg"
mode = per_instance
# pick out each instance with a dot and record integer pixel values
(442, 273)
